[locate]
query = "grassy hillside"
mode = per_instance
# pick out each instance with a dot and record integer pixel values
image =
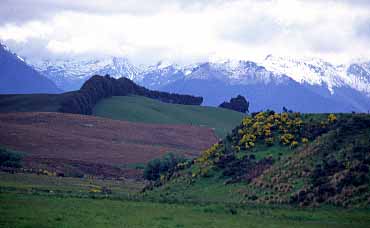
(141, 109)
(288, 158)
(131, 108)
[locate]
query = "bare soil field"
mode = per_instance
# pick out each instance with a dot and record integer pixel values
(78, 144)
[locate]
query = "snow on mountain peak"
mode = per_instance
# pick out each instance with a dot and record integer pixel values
(163, 64)
(5, 48)
(305, 70)
(315, 71)
(311, 71)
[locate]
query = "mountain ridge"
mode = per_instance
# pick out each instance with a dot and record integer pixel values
(18, 77)
(337, 88)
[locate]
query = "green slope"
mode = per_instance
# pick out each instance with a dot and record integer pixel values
(141, 109)
(330, 167)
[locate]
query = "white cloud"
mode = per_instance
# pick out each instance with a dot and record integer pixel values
(187, 31)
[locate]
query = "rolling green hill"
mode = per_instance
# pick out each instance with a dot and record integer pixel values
(272, 158)
(141, 109)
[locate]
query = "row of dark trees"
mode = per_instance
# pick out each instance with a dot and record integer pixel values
(99, 87)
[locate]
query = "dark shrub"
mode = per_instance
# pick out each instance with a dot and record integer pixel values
(158, 166)
(10, 158)
(239, 104)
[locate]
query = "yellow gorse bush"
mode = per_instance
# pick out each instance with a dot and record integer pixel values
(332, 118)
(267, 128)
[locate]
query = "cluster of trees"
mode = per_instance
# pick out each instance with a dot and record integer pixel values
(99, 87)
(162, 166)
(9, 158)
(239, 104)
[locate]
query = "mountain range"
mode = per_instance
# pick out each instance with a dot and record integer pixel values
(299, 84)
(16, 76)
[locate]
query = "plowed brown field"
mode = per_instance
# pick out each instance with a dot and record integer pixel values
(96, 146)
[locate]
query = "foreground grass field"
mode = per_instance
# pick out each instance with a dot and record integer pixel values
(29, 200)
(141, 109)
(50, 211)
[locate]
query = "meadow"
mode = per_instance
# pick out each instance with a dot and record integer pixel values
(146, 110)
(29, 200)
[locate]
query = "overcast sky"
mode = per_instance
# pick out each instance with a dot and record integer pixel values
(186, 31)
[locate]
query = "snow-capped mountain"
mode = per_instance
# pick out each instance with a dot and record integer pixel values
(71, 74)
(314, 71)
(310, 85)
(234, 73)
(297, 83)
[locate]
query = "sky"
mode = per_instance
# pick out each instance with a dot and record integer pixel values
(186, 31)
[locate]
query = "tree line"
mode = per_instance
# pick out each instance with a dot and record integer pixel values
(100, 87)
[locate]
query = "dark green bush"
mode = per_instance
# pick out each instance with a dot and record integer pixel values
(10, 158)
(158, 166)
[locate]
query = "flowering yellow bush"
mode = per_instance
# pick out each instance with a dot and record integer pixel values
(260, 116)
(293, 144)
(247, 121)
(208, 153)
(284, 117)
(249, 145)
(286, 138)
(332, 118)
(95, 190)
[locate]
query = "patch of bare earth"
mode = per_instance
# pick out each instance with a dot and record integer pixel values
(96, 146)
